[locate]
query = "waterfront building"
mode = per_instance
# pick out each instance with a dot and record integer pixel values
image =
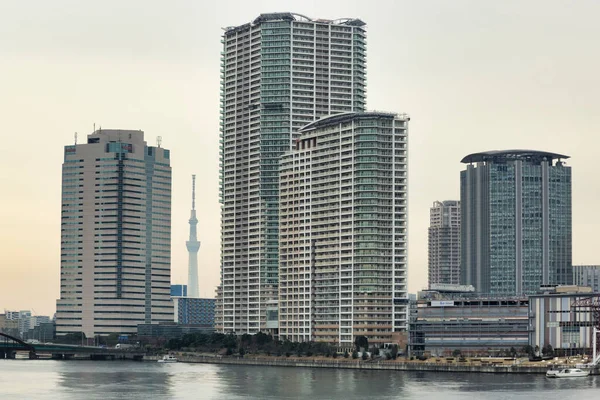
(515, 221)
(278, 73)
(178, 290)
(444, 242)
(194, 311)
(167, 331)
(587, 275)
(458, 319)
(342, 227)
(555, 320)
(115, 235)
(193, 245)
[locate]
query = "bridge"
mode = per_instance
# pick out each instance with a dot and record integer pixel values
(11, 346)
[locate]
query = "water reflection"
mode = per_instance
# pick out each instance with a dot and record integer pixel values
(89, 380)
(113, 380)
(292, 383)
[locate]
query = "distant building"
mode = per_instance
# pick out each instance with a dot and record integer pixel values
(170, 331)
(555, 320)
(194, 311)
(342, 230)
(515, 221)
(115, 235)
(193, 245)
(178, 290)
(587, 275)
(444, 242)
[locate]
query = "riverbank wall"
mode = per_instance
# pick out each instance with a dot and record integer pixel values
(366, 365)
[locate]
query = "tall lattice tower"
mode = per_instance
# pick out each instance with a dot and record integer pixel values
(193, 245)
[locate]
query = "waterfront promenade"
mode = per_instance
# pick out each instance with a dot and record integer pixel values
(432, 365)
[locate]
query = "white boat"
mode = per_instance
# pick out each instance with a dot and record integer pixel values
(567, 373)
(168, 359)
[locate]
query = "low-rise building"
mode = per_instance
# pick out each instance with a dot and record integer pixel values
(474, 325)
(560, 318)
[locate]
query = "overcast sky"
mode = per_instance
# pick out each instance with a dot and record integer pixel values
(473, 75)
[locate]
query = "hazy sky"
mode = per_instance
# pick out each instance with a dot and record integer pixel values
(473, 75)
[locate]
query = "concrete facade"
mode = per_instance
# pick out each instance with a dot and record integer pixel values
(343, 242)
(115, 235)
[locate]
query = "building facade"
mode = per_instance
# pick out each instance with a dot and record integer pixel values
(444, 243)
(555, 319)
(343, 242)
(515, 221)
(194, 311)
(115, 235)
(178, 290)
(472, 324)
(587, 275)
(279, 72)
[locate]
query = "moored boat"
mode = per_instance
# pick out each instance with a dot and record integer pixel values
(567, 373)
(168, 359)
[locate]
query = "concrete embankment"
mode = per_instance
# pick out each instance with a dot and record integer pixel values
(365, 365)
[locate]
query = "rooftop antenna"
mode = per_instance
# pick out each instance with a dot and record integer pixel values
(193, 192)
(158, 141)
(75, 137)
(94, 127)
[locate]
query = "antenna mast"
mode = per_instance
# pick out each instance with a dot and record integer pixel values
(158, 141)
(193, 192)
(75, 137)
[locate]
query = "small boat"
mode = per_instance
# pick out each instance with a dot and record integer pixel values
(567, 373)
(168, 359)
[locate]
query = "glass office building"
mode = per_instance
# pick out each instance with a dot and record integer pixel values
(515, 221)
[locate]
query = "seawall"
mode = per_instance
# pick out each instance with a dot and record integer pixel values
(366, 365)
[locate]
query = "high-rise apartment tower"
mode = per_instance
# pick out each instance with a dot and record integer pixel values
(343, 220)
(115, 270)
(516, 221)
(444, 242)
(278, 73)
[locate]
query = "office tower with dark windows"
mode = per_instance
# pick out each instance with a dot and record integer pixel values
(444, 243)
(516, 221)
(115, 267)
(343, 219)
(278, 73)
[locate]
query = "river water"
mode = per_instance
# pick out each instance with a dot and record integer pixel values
(87, 380)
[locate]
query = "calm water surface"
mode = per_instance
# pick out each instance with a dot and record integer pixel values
(45, 379)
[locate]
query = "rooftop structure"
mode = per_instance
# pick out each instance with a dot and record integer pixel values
(496, 156)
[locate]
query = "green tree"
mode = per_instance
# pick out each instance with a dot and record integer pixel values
(242, 352)
(456, 353)
(364, 355)
(346, 355)
(361, 342)
(354, 355)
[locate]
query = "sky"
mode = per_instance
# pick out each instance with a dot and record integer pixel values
(473, 75)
